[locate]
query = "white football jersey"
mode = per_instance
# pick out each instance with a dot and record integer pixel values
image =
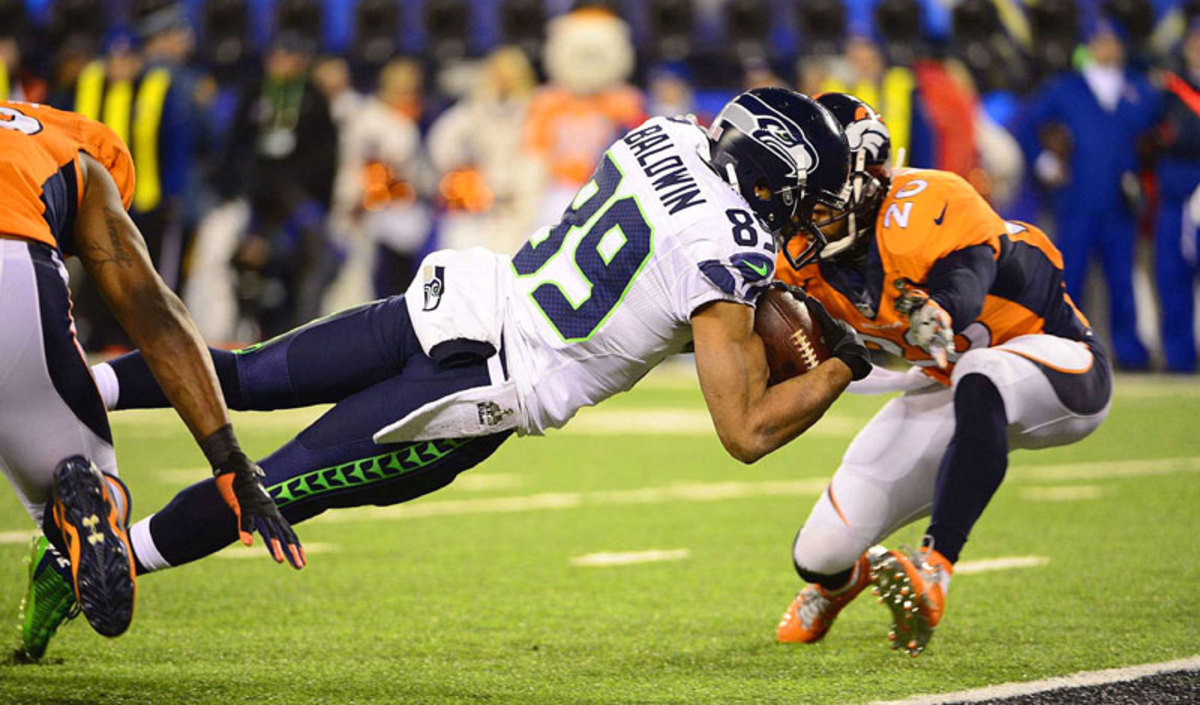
(598, 299)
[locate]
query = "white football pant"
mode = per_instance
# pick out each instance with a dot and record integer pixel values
(1055, 392)
(49, 406)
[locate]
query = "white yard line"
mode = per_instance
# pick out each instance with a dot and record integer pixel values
(1105, 469)
(17, 537)
(656, 555)
(568, 500)
(732, 490)
(1062, 493)
(993, 564)
(674, 421)
(1077, 680)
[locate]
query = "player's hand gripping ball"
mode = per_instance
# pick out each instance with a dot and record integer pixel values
(790, 334)
(798, 334)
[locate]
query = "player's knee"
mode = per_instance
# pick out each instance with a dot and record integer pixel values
(984, 362)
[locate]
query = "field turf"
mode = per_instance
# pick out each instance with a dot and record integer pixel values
(472, 594)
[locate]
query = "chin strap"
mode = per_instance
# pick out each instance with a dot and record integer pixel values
(855, 187)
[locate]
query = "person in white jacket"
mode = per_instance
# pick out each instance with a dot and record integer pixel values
(489, 186)
(377, 205)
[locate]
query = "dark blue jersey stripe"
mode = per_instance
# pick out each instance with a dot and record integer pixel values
(1026, 276)
(60, 196)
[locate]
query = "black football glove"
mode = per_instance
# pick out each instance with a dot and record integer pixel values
(841, 340)
(239, 480)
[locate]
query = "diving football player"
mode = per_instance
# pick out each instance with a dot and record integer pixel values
(668, 245)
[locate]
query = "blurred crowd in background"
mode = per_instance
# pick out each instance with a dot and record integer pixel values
(296, 156)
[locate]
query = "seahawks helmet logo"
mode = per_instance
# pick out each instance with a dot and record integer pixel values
(773, 130)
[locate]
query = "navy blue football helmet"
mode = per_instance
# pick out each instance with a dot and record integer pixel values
(785, 154)
(870, 149)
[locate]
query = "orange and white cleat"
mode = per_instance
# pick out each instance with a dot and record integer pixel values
(811, 614)
(91, 509)
(913, 585)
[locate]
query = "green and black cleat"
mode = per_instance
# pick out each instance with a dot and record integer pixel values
(49, 600)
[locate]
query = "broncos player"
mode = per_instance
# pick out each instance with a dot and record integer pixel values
(65, 182)
(922, 268)
(668, 244)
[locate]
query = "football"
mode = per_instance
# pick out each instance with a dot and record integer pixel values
(790, 335)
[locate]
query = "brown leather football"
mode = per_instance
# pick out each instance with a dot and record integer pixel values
(790, 335)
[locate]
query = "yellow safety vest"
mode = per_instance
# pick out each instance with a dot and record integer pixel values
(135, 116)
(3, 80)
(892, 98)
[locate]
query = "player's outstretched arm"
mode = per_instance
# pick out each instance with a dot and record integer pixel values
(115, 256)
(751, 418)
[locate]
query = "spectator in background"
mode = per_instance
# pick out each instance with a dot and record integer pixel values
(378, 200)
(285, 133)
(669, 91)
(1179, 222)
(16, 81)
(331, 76)
(1087, 161)
(589, 58)
(863, 71)
(103, 89)
(168, 134)
(488, 187)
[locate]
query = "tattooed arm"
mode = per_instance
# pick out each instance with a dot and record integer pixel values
(117, 261)
(115, 256)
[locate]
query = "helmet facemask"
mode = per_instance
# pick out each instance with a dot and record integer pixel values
(864, 190)
(801, 224)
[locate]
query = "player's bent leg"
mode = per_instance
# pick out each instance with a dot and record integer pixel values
(1056, 391)
(49, 408)
(332, 463)
(321, 362)
(1034, 391)
(91, 510)
(884, 482)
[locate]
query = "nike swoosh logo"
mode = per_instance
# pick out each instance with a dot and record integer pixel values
(938, 220)
(761, 269)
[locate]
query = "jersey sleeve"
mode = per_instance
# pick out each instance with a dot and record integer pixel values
(99, 141)
(929, 215)
(718, 268)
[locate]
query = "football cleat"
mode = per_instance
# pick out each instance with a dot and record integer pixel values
(811, 614)
(913, 585)
(91, 510)
(49, 600)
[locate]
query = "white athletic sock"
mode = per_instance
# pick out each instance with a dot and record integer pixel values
(107, 383)
(143, 545)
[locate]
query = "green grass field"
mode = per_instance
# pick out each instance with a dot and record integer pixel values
(471, 595)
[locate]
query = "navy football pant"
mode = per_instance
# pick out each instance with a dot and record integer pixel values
(368, 363)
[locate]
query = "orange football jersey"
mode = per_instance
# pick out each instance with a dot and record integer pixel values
(570, 132)
(926, 216)
(40, 184)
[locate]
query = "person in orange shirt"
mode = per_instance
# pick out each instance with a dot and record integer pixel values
(588, 102)
(65, 184)
(924, 269)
